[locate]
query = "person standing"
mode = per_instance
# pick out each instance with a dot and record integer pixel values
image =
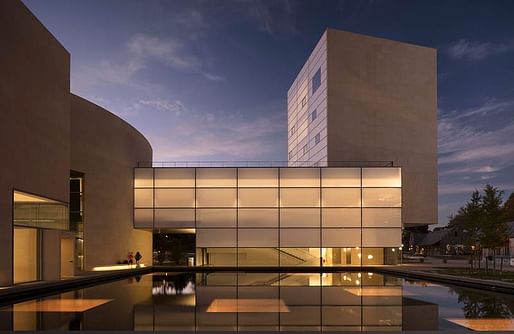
(138, 258)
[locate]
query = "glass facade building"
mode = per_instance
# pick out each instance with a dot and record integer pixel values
(320, 216)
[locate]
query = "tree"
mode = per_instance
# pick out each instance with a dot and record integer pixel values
(509, 208)
(469, 220)
(494, 229)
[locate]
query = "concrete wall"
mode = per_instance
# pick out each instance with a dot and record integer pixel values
(34, 118)
(106, 149)
(382, 105)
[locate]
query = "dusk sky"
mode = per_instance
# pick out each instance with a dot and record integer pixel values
(207, 80)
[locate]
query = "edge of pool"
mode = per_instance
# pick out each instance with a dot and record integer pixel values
(31, 290)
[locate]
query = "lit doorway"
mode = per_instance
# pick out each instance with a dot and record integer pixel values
(67, 257)
(26, 255)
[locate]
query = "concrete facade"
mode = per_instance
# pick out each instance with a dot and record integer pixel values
(381, 105)
(34, 120)
(106, 149)
(45, 132)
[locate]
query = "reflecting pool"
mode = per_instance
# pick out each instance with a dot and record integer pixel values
(258, 301)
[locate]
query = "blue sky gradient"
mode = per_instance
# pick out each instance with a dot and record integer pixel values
(207, 80)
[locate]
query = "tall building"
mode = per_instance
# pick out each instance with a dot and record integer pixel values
(369, 101)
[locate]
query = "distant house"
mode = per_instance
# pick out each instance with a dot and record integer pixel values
(442, 241)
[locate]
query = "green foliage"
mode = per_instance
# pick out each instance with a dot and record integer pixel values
(482, 221)
(509, 208)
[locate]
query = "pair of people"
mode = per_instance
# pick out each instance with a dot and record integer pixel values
(131, 258)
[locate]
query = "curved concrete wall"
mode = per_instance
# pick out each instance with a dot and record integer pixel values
(106, 149)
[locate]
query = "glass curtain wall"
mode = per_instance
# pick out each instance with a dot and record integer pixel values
(32, 213)
(277, 216)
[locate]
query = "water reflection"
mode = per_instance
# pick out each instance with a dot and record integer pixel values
(256, 302)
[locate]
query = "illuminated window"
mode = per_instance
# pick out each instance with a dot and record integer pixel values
(314, 115)
(317, 139)
(316, 81)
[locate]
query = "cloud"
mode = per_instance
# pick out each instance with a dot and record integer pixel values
(476, 51)
(176, 106)
(169, 52)
(142, 52)
(211, 135)
(273, 17)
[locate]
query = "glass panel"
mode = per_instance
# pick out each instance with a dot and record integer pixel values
(174, 218)
(143, 218)
(382, 197)
(37, 211)
(342, 316)
(381, 177)
(143, 177)
(258, 197)
(258, 238)
(299, 217)
(343, 256)
(381, 315)
(215, 237)
(301, 197)
(381, 237)
(341, 237)
(344, 217)
(349, 197)
(389, 217)
(341, 177)
(25, 254)
(299, 177)
(216, 257)
(258, 177)
(215, 177)
(143, 198)
(175, 177)
(372, 256)
(173, 198)
(258, 257)
(216, 197)
(292, 237)
(258, 218)
(216, 218)
(299, 256)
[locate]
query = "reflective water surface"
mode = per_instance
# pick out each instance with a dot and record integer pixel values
(251, 301)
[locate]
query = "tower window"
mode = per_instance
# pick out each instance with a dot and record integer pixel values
(314, 115)
(316, 80)
(317, 138)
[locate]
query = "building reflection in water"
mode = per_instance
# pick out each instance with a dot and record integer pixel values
(282, 302)
(256, 301)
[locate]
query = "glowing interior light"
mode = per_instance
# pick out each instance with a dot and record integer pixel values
(359, 255)
(370, 257)
(370, 274)
(118, 267)
(357, 282)
(394, 249)
(359, 275)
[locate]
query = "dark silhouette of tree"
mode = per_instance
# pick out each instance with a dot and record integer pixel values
(482, 219)
(509, 208)
(495, 228)
(469, 221)
(478, 304)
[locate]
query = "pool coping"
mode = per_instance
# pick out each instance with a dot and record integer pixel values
(32, 290)
(475, 283)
